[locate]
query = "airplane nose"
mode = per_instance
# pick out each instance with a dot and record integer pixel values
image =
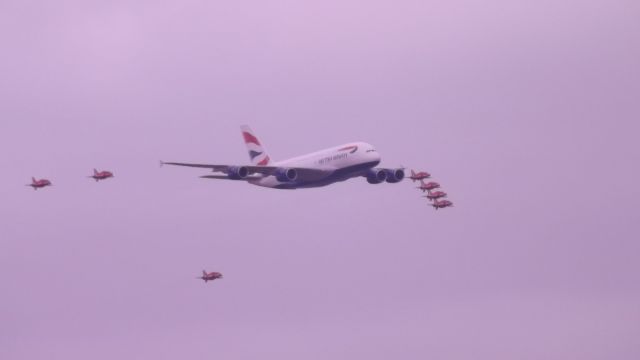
(375, 156)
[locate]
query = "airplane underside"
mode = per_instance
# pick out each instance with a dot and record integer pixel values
(332, 177)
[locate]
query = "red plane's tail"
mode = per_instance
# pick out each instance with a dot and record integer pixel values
(33, 180)
(413, 176)
(95, 172)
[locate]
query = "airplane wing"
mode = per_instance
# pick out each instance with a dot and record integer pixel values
(225, 177)
(305, 174)
(216, 168)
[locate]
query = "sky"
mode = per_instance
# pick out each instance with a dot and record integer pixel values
(525, 111)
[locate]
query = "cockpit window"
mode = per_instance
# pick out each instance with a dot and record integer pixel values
(371, 150)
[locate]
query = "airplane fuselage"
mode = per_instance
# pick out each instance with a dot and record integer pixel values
(38, 184)
(102, 176)
(335, 164)
(211, 276)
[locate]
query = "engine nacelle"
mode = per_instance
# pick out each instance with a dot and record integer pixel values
(237, 172)
(394, 175)
(376, 176)
(286, 175)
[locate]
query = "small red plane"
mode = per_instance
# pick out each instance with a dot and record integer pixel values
(419, 176)
(101, 175)
(428, 186)
(210, 276)
(36, 184)
(435, 195)
(440, 204)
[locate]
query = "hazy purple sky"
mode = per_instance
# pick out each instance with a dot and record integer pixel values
(526, 111)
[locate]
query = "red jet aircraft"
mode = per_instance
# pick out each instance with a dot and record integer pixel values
(210, 276)
(440, 204)
(435, 195)
(36, 184)
(419, 176)
(428, 186)
(101, 175)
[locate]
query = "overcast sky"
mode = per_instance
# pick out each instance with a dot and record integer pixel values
(525, 111)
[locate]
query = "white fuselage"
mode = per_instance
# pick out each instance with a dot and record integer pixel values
(331, 165)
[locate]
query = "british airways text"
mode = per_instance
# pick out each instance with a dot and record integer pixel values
(332, 158)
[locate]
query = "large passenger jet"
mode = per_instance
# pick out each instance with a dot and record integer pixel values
(317, 169)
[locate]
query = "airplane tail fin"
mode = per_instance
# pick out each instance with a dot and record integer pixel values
(33, 180)
(204, 273)
(95, 172)
(257, 153)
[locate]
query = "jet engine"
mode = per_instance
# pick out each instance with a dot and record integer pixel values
(286, 175)
(376, 176)
(394, 175)
(237, 172)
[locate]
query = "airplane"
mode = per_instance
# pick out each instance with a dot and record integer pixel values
(321, 168)
(435, 195)
(36, 184)
(101, 175)
(210, 276)
(419, 176)
(428, 186)
(440, 204)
